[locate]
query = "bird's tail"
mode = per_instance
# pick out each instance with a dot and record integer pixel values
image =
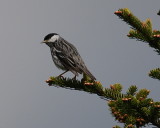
(88, 73)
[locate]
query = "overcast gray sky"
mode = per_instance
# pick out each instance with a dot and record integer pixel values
(27, 101)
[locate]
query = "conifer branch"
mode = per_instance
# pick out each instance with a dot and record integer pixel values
(87, 86)
(140, 30)
(155, 73)
(132, 108)
(149, 111)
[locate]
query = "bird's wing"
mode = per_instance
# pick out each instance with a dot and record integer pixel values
(69, 56)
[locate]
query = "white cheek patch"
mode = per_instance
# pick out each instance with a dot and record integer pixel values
(54, 38)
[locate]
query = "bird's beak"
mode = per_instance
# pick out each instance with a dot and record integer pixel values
(45, 41)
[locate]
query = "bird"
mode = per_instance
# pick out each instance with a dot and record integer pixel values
(65, 56)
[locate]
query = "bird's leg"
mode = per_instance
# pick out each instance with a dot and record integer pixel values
(74, 78)
(63, 73)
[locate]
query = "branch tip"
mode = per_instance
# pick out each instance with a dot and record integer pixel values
(118, 12)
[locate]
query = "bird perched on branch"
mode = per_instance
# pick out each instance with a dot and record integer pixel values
(65, 55)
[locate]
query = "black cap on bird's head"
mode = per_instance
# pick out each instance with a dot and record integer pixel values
(47, 37)
(50, 38)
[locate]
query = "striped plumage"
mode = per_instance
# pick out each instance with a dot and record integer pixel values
(66, 56)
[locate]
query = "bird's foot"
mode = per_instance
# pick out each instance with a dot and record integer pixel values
(60, 77)
(74, 78)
